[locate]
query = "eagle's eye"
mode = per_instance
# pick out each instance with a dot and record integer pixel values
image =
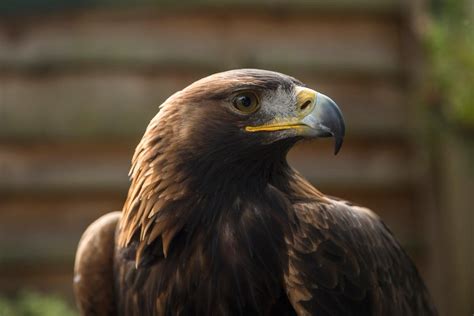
(246, 102)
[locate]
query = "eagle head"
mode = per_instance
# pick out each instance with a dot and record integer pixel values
(249, 110)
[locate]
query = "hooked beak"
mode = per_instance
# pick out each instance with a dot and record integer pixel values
(325, 120)
(316, 116)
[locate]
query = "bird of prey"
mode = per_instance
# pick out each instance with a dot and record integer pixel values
(217, 223)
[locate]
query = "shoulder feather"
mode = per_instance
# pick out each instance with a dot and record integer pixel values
(93, 268)
(343, 260)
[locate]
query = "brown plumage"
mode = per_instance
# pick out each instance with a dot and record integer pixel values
(217, 223)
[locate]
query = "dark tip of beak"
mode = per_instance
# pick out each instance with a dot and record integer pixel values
(337, 144)
(331, 120)
(337, 127)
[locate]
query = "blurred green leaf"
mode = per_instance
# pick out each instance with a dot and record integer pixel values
(451, 46)
(34, 304)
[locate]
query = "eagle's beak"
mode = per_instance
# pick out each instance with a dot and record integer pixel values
(324, 119)
(316, 116)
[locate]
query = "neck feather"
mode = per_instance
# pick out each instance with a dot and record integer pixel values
(172, 188)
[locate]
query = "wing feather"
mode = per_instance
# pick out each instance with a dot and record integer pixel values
(93, 268)
(344, 261)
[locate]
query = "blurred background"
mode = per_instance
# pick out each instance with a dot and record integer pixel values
(80, 80)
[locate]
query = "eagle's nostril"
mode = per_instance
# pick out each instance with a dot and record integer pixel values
(305, 105)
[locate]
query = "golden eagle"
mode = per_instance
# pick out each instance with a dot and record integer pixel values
(217, 223)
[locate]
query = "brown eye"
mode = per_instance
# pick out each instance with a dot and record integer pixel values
(246, 102)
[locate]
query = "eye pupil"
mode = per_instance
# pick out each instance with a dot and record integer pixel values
(245, 101)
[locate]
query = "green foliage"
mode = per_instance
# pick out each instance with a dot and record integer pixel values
(35, 304)
(451, 45)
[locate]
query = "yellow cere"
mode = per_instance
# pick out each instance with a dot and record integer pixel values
(303, 95)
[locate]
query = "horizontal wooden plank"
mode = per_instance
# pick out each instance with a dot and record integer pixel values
(81, 169)
(54, 278)
(48, 229)
(71, 169)
(371, 166)
(47, 6)
(372, 108)
(205, 41)
(120, 105)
